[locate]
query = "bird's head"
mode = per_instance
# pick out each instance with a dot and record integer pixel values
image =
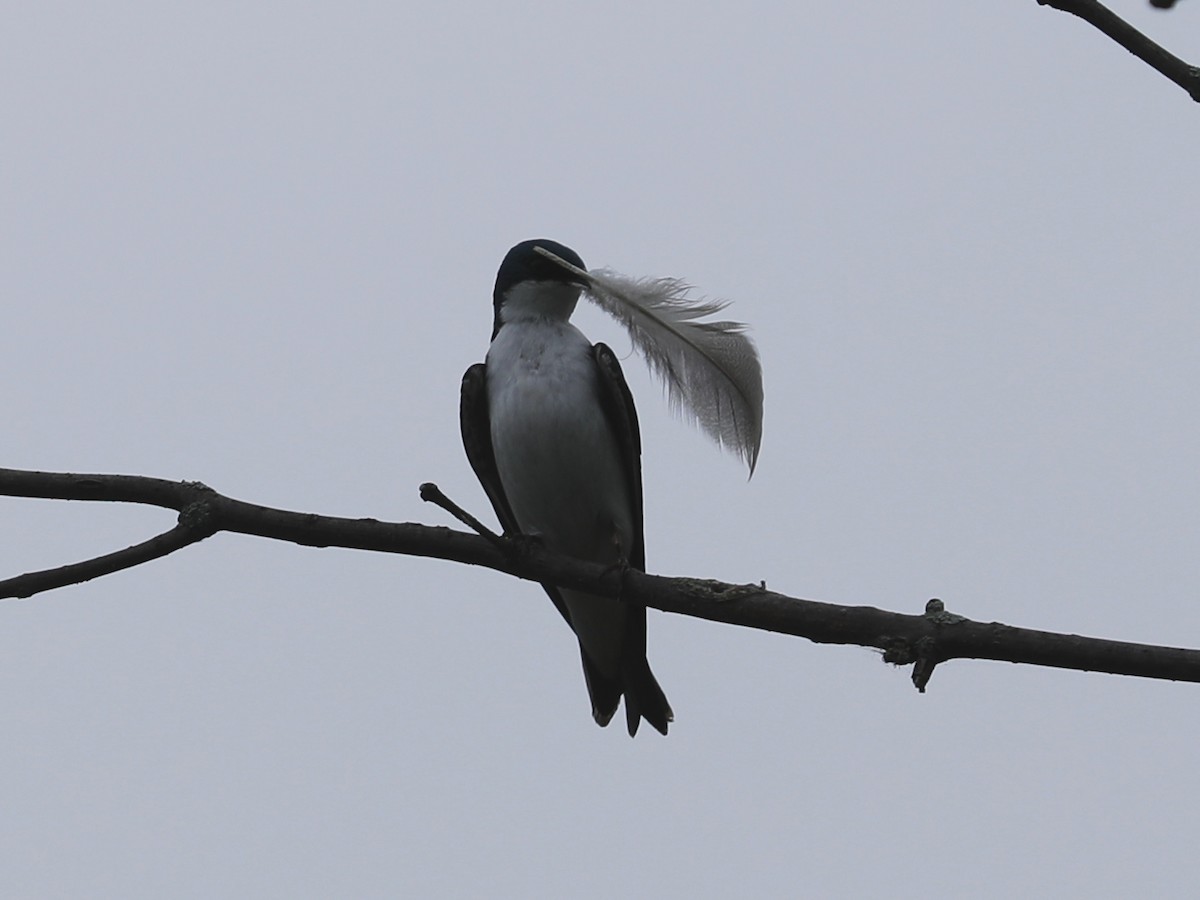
(531, 286)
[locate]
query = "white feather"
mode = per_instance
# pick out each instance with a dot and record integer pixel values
(710, 369)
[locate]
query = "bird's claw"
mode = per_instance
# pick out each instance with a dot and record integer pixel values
(619, 567)
(523, 545)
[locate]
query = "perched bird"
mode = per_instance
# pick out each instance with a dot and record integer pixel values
(550, 429)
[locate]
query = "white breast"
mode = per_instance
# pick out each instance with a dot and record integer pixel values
(558, 460)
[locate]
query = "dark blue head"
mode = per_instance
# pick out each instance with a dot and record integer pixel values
(523, 263)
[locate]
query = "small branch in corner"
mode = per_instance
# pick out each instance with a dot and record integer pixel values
(1154, 55)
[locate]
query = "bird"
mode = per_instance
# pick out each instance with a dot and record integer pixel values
(550, 429)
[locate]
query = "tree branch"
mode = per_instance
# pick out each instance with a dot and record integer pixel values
(31, 583)
(1095, 13)
(921, 640)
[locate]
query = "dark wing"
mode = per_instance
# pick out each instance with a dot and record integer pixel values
(476, 427)
(643, 697)
(617, 403)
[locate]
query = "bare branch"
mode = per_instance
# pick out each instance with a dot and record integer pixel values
(76, 573)
(922, 640)
(1095, 13)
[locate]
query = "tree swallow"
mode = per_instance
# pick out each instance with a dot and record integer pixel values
(550, 429)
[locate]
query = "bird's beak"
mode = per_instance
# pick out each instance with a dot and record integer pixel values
(582, 278)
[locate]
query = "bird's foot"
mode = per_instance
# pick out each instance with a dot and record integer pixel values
(620, 568)
(522, 545)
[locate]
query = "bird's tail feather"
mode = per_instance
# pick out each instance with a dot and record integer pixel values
(604, 693)
(644, 699)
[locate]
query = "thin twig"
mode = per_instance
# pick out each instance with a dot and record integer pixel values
(31, 583)
(431, 493)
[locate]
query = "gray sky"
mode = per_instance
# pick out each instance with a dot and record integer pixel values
(254, 245)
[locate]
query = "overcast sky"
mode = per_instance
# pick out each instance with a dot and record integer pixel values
(253, 244)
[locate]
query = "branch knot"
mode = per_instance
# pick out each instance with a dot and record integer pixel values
(199, 516)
